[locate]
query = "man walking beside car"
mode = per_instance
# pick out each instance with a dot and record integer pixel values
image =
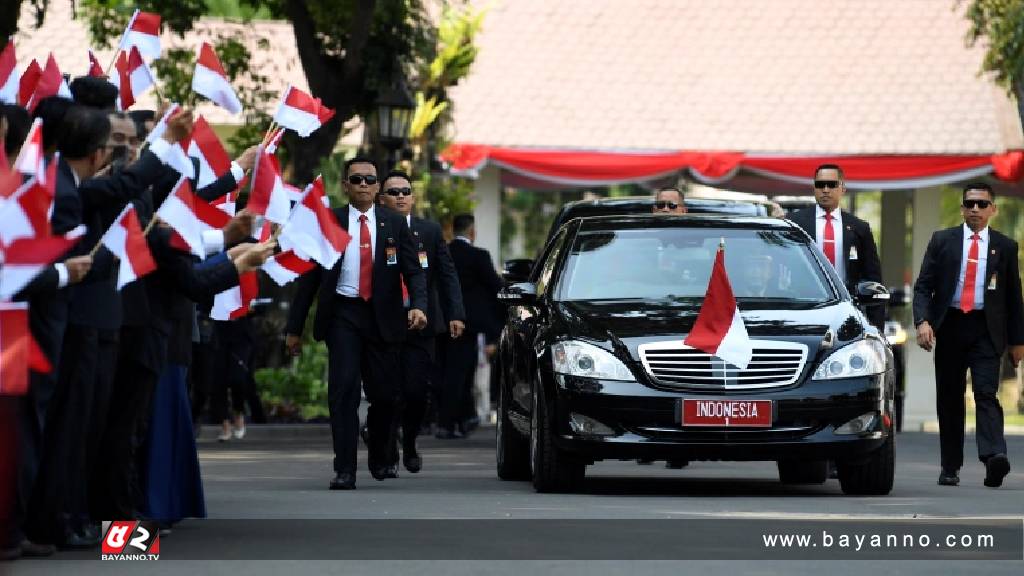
(845, 240)
(968, 307)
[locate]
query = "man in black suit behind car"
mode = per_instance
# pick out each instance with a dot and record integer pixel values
(361, 318)
(968, 307)
(845, 240)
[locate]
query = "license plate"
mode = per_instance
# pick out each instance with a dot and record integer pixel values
(727, 413)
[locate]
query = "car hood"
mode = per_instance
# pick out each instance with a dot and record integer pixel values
(628, 325)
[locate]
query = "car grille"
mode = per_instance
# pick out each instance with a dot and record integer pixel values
(676, 365)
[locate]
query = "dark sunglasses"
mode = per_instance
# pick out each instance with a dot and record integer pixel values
(357, 179)
(662, 204)
(982, 204)
(826, 183)
(398, 192)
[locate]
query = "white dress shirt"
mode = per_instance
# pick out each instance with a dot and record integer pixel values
(837, 228)
(980, 276)
(348, 281)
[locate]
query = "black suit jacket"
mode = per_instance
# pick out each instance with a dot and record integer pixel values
(443, 288)
(480, 285)
(387, 288)
(940, 271)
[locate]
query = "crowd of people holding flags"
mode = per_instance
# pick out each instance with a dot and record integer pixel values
(114, 225)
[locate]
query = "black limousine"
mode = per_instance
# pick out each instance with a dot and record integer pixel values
(593, 364)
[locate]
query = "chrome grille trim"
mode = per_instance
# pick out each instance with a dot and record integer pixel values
(673, 364)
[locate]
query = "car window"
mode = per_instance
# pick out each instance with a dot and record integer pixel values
(547, 267)
(675, 263)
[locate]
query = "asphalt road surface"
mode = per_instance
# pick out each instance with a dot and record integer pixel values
(277, 487)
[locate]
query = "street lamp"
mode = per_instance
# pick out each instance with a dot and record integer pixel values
(395, 107)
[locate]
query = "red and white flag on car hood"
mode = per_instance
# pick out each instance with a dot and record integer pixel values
(205, 146)
(269, 195)
(301, 112)
(10, 80)
(312, 231)
(286, 266)
(22, 260)
(719, 329)
(190, 216)
(211, 80)
(142, 32)
(132, 77)
(125, 240)
(234, 302)
(19, 351)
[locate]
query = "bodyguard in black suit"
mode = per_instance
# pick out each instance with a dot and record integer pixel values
(446, 317)
(845, 240)
(967, 306)
(480, 285)
(361, 317)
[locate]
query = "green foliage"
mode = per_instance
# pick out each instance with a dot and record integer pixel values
(297, 391)
(443, 196)
(1001, 23)
(108, 18)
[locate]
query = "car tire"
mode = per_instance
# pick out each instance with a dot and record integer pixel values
(553, 470)
(803, 471)
(512, 451)
(874, 477)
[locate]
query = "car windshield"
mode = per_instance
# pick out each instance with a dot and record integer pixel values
(675, 264)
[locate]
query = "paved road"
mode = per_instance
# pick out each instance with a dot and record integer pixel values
(286, 478)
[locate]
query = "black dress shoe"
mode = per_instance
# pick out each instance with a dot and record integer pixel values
(447, 434)
(344, 481)
(30, 549)
(384, 472)
(81, 540)
(948, 478)
(996, 468)
(677, 464)
(413, 462)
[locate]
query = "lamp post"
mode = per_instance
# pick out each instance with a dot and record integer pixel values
(395, 107)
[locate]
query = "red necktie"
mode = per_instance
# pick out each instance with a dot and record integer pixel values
(970, 276)
(365, 260)
(829, 240)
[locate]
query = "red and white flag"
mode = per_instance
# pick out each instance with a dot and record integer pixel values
(312, 231)
(161, 125)
(301, 112)
(24, 259)
(51, 83)
(26, 214)
(211, 80)
(269, 195)
(205, 146)
(286, 266)
(173, 155)
(125, 240)
(190, 216)
(95, 69)
(27, 82)
(234, 302)
(19, 351)
(719, 329)
(142, 32)
(132, 77)
(9, 77)
(30, 160)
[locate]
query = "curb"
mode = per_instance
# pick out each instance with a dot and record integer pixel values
(932, 426)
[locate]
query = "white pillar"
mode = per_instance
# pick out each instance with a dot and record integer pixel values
(487, 212)
(920, 399)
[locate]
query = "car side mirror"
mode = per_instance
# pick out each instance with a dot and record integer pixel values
(898, 297)
(517, 270)
(871, 293)
(518, 294)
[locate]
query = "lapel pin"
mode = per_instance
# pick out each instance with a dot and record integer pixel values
(993, 252)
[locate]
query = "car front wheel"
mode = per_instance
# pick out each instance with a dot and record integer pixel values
(874, 477)
(553, 470)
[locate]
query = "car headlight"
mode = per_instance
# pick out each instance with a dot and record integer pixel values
(581, 359)
(862, 358)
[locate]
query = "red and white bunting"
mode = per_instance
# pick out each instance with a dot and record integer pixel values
(51, 83)
(719, 329)
(190, 216)
(301, 112)
(30, 160)
(234, 302)
(27, 82)
(24, 259)
(125, 240)
(19, 351)
(211, 80)
(286, 266)
(142, 32)
(269, 195)
(312, 231)
(205, 146)
(9, 77)
(95, 69)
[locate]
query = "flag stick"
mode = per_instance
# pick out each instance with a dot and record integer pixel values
(270, 131)
(152, 222)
